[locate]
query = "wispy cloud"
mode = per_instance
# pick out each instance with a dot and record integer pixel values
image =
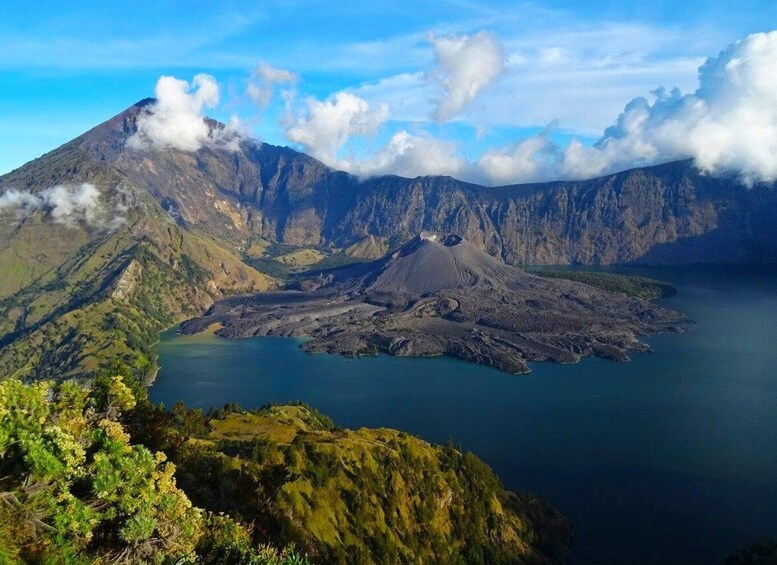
(465, 66)
(265, 79)
(69, 205)
(54, 46)
(577, 75)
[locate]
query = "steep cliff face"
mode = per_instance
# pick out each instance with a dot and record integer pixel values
(664, 214)
(198, 212)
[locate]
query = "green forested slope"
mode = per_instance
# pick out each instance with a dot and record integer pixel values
(108, 298)
(75, 488)
(365, 496)
(103, 476)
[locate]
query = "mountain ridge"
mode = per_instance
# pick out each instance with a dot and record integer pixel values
(191, 218)
(669, 213)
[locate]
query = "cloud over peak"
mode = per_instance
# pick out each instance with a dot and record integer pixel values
(176, 119)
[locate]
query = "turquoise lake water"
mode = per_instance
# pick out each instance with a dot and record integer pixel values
(671, 458)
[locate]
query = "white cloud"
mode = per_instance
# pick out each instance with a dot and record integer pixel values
(575, 73)
(22, 202)
(465, 66)
(176, 120)
(411, 156)
(67, 205)
(329, 124)
(71, 205)
(265, 79)
(229, 136)
(531, 160)
(729, 124)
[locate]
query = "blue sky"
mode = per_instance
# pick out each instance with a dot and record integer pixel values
(67, 66)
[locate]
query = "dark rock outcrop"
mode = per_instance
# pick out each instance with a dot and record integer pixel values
(440, 295)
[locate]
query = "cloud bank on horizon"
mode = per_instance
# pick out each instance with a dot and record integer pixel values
(727, 125)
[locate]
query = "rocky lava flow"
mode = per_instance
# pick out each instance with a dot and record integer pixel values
(440, 295)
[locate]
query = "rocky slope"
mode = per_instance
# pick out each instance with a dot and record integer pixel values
(440, 295)
(76, 295)
(199, 214)
(667, 213)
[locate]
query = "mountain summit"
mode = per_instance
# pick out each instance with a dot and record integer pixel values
(429, 262)
(99, 219)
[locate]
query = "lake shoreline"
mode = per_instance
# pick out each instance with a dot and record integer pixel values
(666, 447)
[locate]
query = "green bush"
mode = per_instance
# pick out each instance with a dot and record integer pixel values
(76, 489)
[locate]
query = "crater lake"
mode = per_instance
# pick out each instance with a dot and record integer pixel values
(670, 458)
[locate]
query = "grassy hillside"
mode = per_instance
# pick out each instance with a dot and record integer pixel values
(108, 298)
(370, 247)
(101, 475)
(364, 496)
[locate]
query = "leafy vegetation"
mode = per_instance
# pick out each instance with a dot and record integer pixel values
(334, 261)
(101, 475)
(271, 267)
(301, 257)
(639, 287)
(282, 268)
(76, 489)
(365, 496)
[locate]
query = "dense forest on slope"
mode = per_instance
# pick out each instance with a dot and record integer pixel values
(102, 475)
(365, 496)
